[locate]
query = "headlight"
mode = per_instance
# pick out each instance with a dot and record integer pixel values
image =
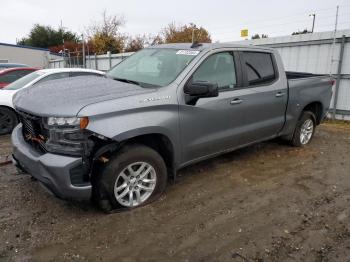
(81, 122)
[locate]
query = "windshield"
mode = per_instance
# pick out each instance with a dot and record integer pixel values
(152, 67)
(18, 84)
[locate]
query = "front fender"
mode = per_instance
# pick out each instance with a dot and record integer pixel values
(121, 127)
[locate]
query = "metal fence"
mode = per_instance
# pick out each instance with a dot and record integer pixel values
(318, 53)
(98, 62)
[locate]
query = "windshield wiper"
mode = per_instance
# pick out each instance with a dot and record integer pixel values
(127, 81)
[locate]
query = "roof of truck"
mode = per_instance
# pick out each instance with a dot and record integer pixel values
(208, 46)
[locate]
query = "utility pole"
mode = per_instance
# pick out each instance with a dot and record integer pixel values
(192, 35)
(333, 44)
(313, 22)
(82, 38)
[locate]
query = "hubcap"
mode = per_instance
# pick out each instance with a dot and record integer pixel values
(135, 184)
(306, 131)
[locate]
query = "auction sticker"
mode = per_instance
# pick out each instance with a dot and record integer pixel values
(187, 52)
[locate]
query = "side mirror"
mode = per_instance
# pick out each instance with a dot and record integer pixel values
(201, 89)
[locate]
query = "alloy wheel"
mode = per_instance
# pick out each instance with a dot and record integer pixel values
(135, 184)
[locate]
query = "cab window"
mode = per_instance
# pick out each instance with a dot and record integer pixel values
(218, 69)
(259, 67)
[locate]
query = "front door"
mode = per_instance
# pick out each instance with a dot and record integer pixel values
(213, 124)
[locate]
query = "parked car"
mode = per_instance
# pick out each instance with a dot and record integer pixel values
(7, 76)
(8, 116)
(11, 65)
(118, 140)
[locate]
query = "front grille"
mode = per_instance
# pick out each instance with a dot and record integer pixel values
(33, 131)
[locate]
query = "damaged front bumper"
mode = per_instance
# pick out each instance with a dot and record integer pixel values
(59, 174)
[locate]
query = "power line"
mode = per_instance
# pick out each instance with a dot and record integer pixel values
(284, 17)
(318, 25)
(282, 24)
(329, 26)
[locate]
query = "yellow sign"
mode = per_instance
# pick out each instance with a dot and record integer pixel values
(244, 32)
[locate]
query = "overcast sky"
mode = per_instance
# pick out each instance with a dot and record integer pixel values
(223, 18)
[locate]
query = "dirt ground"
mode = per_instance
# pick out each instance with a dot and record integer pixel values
(268, 202)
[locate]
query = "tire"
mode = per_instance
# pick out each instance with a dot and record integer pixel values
(304, 130)
(8, 120)
(116, 178)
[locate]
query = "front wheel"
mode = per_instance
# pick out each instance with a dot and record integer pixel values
(134, 177)
(305, 129)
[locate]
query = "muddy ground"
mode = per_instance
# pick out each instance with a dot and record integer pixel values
(268, 202)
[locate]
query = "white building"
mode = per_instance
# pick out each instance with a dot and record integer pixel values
(32, 56)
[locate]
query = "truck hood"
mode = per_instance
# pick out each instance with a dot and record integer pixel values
(66, 97)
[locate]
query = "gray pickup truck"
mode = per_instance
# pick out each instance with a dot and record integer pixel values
(118, 139)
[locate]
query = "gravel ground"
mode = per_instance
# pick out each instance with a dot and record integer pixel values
(267, 202)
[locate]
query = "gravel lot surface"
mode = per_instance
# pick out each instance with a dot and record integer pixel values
(267, 202)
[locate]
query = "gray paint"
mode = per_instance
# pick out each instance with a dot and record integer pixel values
(315, 53)
(49, 169)
(121, 111)
(66, 97)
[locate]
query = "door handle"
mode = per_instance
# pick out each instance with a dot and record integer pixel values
(280, 94)
(236, 101)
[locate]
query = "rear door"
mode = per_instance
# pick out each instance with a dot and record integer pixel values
(265, 107)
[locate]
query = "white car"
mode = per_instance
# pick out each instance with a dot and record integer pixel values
(8, 116)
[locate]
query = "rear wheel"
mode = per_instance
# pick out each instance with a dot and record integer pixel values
(8, 120)
(135, 177)
(304, 130)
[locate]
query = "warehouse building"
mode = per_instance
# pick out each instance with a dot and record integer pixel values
(32, 56)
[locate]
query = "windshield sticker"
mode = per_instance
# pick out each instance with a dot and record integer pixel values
(187, 52)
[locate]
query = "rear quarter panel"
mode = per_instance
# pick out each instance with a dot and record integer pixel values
(302, 92)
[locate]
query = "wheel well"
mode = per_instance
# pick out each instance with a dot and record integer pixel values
(159, 143)
(317, 109)
(10, 108)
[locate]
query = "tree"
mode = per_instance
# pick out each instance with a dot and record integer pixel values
(257, 36)
(183, 34)
(305, 31)
(46, 36)
(136, 43)
(156, 40)
(106, 36)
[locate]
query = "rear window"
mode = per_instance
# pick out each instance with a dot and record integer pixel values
(23, 81)
(12, 76)
(53, 76)
(259, 67)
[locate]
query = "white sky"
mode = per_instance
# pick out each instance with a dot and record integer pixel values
(223, 18)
